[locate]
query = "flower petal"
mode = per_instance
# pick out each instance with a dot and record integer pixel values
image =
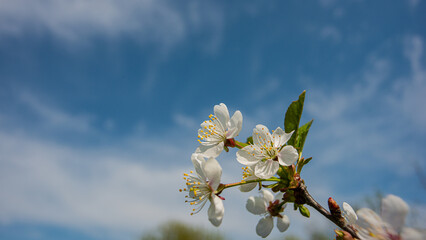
(261, 136)
(213, 172)
(266, 169)
(283, 223)
(210, 150)
(245, 155)
(256, 205)
(264, 226)
(370, 223)
(249, 186)
(235, 126)
(198, 162)
(222, 114)
(394, 211)
(412, 234)
(280, 196)
(287, 156)
(349, 214)
(216, 210)
(267, 196)
(279, 137)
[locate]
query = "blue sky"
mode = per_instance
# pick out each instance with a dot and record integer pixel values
(100, 102)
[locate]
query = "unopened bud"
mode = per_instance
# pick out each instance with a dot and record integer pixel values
(343, 235)
(334, 208)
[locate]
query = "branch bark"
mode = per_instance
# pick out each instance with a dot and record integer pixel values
(303, 197)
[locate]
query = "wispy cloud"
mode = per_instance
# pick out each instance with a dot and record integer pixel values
(155, 22)
(330, 33)
(410, 90)
(52, 117)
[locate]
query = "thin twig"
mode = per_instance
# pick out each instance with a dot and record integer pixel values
(304, 197)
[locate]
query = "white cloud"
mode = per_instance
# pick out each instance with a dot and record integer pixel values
(185, 121)
(330, 33)
(326, 3)
(157, 22)
(331, 103)
(52, 117)
(269, 86)
(361, 122)
(94, 188)
(413, 3)
(410, 90)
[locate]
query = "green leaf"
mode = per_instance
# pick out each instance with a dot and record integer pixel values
(304, 211)
(292, 117)
(283, 173)
(270, 186)
(302, 163)
(249, 140)
(302, 133)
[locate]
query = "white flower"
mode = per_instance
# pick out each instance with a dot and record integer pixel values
(269, 207)
(214, 132)
(203, 186)
(268, 152)
(248, 175)
(390, 225)
(349, 214)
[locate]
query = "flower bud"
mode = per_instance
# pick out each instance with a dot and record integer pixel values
(343, 235)
(334, 208)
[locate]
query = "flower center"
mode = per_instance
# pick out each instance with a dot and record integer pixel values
(275, 208)
(211, 129)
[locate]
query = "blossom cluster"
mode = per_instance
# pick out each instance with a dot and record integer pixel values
(272, 160)
(261, 158)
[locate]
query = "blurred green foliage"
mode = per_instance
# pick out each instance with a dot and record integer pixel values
(317, 235)
(175, 230)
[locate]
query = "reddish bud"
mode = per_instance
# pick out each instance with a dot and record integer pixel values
(334, 208)
(343, 235)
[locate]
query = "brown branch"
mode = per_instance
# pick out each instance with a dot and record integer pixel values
(302, 196)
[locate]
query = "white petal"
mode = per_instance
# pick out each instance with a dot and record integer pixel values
(249, 186)
(198, 162)
(245, 155)
(256, 205)
(279, 196)
(283, 223)
(288, 155)
(261, 135)
(210, 151)
(412, 234)
(216, 210)
(235, 125)
(394, 211)
(222, 114)
(267, 196)
(213, 172)
(264, 226)
(349, 214)
(266, 169)
(370, 222)
(279, 137)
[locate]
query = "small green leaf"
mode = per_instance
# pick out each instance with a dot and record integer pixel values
(307, 160)
(283, 173)
(292, 117)
(304, 211)
(270, 186)
(302, 163)
(249, 140)
(302, 133)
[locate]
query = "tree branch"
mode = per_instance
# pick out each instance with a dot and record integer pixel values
(302, 196)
